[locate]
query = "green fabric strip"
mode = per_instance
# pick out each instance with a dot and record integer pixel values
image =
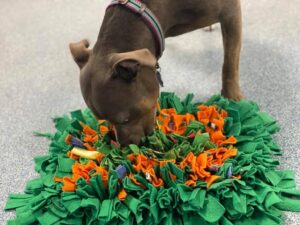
(259, 197)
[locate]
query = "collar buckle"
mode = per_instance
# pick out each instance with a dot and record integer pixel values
(142, 9)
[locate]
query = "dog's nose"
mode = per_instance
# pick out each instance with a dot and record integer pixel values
(131, 139)
(126, 142)
(149, 129)
(127, 136)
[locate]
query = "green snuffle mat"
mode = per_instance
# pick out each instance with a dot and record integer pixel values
(218, 168)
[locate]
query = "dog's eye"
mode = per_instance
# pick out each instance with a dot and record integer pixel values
(123, 122)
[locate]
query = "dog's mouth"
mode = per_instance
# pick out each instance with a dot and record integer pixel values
(114, 135)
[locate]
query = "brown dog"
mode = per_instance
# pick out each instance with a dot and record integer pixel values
(118, 76)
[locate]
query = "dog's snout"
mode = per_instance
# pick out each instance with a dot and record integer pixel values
(126, 140)
(131, 140)
(149, 129)
(133, 133)
(129, 135)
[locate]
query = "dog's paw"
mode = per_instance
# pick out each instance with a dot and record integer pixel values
(233, 95)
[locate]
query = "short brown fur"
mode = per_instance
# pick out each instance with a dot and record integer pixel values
(128, 101)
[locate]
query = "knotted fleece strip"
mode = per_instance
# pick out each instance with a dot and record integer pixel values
(208, 163)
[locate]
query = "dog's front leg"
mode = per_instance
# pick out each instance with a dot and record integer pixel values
(231, 24)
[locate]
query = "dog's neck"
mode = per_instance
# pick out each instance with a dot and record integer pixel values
(124, 31)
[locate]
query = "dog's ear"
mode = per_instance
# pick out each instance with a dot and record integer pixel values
(127, 69)
(80, 52)
(127, 65)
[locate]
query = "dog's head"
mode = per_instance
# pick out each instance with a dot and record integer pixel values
(121, 88)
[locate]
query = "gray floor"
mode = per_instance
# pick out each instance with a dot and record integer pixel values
(38, 78)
